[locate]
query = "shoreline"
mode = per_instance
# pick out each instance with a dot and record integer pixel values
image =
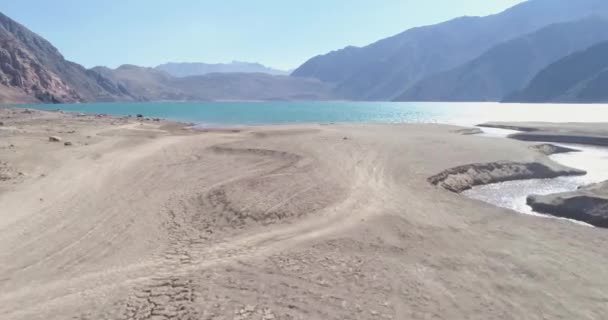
(588, 204)
(455, 179)
(462, 178)
(576, 205)
(304, 220)
(210, 113)
(595, 134)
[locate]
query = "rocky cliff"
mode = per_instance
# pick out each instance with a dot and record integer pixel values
(31, 69)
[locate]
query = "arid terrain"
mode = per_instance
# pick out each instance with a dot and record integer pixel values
(143, 219)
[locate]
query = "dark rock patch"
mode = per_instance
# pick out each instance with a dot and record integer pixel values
(465, 177)
(587, 204)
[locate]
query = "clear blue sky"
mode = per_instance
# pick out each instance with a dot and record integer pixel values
(279, 33)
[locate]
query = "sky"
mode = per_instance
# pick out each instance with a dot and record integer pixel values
(278, 33)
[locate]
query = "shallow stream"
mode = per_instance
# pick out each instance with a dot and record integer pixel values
(513, 194)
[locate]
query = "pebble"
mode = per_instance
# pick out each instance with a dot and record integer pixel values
(54, 139)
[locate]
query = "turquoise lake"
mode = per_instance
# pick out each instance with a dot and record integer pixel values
(252, 113)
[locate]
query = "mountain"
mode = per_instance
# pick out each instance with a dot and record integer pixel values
(580, 77)
(143, 84)
(12, 95)
(151, 84)
(31, 69)
(385, 69)
(198, 69)
(254, 86)
(509, 66)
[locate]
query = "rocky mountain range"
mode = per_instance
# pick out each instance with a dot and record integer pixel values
(385, 69)
(187, 69)
(151, 84)
(509, 66)
(580, 77)
(513, 55)
(32, 70)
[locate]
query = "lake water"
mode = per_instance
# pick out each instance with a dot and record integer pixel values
(248, 113)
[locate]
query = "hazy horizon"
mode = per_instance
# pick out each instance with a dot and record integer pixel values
(149, 33)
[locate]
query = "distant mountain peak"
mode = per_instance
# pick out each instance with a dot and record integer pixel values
(186, 69)
(386, 68)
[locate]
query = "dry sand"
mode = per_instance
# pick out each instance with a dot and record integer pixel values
(149, 220)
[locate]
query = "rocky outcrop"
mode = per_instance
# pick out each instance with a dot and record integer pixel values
(588, 204)
(465, 177)
(19, 69)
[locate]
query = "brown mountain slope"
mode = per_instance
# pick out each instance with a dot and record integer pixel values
(14, 96)
(33, 69)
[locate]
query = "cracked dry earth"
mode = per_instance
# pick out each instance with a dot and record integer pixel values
(153, 221)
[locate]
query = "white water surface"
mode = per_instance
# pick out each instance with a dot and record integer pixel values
(513, 194)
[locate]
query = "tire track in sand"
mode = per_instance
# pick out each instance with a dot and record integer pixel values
(171, 294)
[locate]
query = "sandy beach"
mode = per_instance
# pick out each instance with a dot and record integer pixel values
(126, 218)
